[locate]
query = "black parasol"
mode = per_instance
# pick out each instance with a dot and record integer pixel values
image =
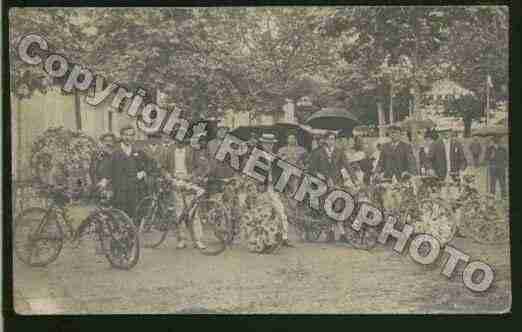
(333, 118)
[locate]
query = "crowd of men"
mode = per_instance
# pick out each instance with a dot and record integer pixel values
(339, 160)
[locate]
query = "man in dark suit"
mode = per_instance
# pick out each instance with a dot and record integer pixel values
(101, 162)
(397, 157)
(329, 163)
(447, 156)
(126, 173)
(497, 158)
(156, 152)
(424, 151)
(476, 150)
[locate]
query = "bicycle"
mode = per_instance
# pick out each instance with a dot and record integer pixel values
(481, 217)
(317, 222)
(261, 223)
(155, 219)
(426, 209)
(37, 228)
(226, 191)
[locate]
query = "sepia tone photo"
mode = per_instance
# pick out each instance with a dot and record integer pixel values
(259, 160)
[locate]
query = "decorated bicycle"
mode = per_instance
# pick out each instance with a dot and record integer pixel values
(416, 202)
(60, 163)
(157, 215)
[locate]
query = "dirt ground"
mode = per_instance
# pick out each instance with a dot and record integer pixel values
(310, 278)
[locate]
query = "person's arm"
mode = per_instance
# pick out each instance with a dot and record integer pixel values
(345, 164)
(463, 156)
(108, 173)
(488, 155)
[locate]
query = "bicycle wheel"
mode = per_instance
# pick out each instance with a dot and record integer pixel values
(153, 228)
(215, 224)
(226, 226)
(38, 237)
(119, 238)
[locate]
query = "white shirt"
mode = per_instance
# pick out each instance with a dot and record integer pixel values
(376, 155)
(329, 152)
(126, 148)
(179, 161)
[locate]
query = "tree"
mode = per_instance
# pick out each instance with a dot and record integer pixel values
(468, 107)
(478, 47)
(395, 46)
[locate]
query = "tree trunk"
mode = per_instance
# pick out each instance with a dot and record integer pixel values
(380, 113)
(110, 115)
(467, 126)
(77, 111)
(416, 89)
(392, 117)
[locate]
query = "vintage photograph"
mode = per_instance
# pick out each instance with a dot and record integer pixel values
(260, 160)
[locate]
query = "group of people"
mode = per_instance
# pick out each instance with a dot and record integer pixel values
(339, 160)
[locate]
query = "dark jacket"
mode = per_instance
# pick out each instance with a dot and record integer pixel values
(497, 158)
(424, 162)
(395, 160)
(329, 167)
(476, 149)
(218, 169)
(123, 173)
(157, 159)
(101, 166)
(437, 157)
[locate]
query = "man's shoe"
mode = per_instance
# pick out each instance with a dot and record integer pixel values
(287, 243)
(181, 245)
(343, 238)
(331, 237)
(200, 245)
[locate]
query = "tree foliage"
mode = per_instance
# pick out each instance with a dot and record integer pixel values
(207, 60)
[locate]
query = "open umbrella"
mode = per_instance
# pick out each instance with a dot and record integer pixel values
(333, 118)
(280, 130)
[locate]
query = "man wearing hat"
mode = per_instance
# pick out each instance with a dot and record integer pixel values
(447, 155)
(188, 164)
(267, 142)
(295, 155)
(329, 163)
(102, 159)
(157, 156)
(126, 172)
(218, 170)
(396, 159)
(497, 158)
(156, 151)
(376, 156)
(425, 166)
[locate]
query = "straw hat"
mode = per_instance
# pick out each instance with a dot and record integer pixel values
(268, 138)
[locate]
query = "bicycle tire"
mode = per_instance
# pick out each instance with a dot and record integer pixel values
(45, 223)
(217, 223)
(117, 220)
(150, 229)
